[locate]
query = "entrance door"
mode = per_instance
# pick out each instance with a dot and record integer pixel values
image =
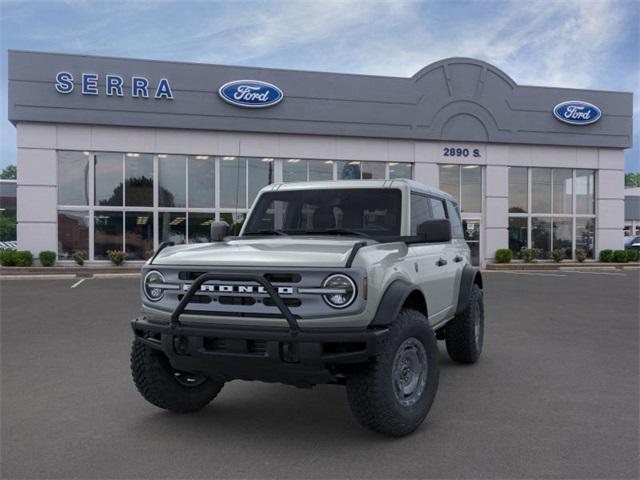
(472, 236)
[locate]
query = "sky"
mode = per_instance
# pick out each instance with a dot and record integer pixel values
(566, 43)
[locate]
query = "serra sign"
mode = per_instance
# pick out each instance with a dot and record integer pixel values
(577, 112)
(113, 85)
(250, 93)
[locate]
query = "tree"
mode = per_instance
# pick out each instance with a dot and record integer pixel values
(9, 172)
(632, 180)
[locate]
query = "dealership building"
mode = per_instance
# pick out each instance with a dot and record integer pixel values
(117, 153)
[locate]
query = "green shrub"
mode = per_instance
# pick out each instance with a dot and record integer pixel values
(503, 255)
(24, 258)
(80, 256)
(47, 258)
(558, 255)
(526, 254)
(620, 256)
(633, 255)
(606, 255)
(8, 258)
(117, 257)
(581, 254)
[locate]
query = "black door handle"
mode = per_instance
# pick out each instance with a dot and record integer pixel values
(441, 262)
(457, 258)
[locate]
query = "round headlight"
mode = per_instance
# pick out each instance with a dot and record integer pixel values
(345, 291)
(152, 286)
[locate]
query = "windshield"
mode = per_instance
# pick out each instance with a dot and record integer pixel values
(365, 212)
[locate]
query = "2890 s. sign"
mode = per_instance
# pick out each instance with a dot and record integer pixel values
(577, 112)
(250, 93)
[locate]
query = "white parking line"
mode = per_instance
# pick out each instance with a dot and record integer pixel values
(598, 273)
(533, 273)
(78, 283)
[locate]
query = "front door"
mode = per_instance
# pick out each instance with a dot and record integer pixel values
(472, 236)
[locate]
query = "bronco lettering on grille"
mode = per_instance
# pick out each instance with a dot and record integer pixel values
(250, 289)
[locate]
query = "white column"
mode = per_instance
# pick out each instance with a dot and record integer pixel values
(496, 210)
(37, 188)
(610, 200)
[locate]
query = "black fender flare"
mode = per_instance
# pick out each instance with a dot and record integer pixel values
(470, 276)
(392, 301)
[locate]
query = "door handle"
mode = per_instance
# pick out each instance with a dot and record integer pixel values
(457, 258)
(441, 262)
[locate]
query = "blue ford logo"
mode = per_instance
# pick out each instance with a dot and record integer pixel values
(250, 93)
(576, 112)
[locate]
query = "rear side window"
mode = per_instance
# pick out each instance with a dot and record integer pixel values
(420, 211)
(437, 208)
(454, 218)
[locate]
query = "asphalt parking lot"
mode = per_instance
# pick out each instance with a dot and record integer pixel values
(555, 395)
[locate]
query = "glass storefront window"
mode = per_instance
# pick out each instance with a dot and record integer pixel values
(320, 170)
(138, 238)
(541, 190)
(172, 185)
(108, 179)
(541, 235)
(471, 188)
(585, 192)
(73, 233)
(73, 178)
(562, 190)
(517, 235)
(260, 175)
(202, 179)
(138, 174)
(107, 233)
(351, 170)
(400, 170)
(450, 180)
(172, 227)
(518, 190)
(233, 182)
(585, 235)
(294, 170)
(234, 220)
(563, 235)
(200, 227)
(373, 170)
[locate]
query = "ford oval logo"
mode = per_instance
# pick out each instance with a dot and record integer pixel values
(577, 112)
(251, 93)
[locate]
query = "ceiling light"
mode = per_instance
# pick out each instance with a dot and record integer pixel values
(329, 162)
(448, 166)
(393, 164)
(228, 158)
(267, 160)
(133, 154)
(177, 220)
(162, 155)
(86, 153)
(202, 157)
(470, 166)
(293, 160)
(355, 162)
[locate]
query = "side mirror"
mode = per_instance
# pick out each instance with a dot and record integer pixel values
(219, 230)
(434, 231)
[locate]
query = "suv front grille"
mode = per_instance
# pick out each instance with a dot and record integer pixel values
(252, 347)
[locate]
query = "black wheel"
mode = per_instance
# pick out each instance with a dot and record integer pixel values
(393, 394)
(464, 335)
(167, 388)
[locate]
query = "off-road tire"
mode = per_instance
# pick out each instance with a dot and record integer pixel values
(463, 341)
(370, 388)
(156, 381)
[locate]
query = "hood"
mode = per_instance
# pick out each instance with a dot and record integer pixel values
(263, 251)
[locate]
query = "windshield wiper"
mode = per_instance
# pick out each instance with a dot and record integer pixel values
(266, 232)
(336, 231)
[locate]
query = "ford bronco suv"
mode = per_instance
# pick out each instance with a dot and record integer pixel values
(348, 282)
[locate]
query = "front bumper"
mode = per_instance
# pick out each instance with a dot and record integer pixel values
(295, 357)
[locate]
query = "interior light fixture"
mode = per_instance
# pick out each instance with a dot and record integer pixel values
(329, 162)
(470, 166)
(354, 162)
(393, 164)
(228, 158)
(162, 155)
(267, 160)
(293, 160)
(86, 153)
(202, 157)
(134, 155)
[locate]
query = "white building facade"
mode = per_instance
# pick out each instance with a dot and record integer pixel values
(114, 171)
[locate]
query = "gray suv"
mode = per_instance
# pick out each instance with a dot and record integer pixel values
(349, 283)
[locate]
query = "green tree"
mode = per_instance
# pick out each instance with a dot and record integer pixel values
(632, 180)
(9, 172)
(7, 228)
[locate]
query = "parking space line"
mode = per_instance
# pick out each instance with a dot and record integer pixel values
(598, 273)
(78, 283)
(534, 273)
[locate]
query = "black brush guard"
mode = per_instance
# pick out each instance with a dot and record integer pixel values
(290, 355)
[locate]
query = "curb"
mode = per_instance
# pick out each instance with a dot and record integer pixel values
(497, 267)
(79, 272)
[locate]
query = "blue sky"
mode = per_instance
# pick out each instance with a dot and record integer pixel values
(568, 43)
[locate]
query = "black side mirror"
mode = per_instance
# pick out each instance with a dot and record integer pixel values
(219, 230)
(434, 231)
